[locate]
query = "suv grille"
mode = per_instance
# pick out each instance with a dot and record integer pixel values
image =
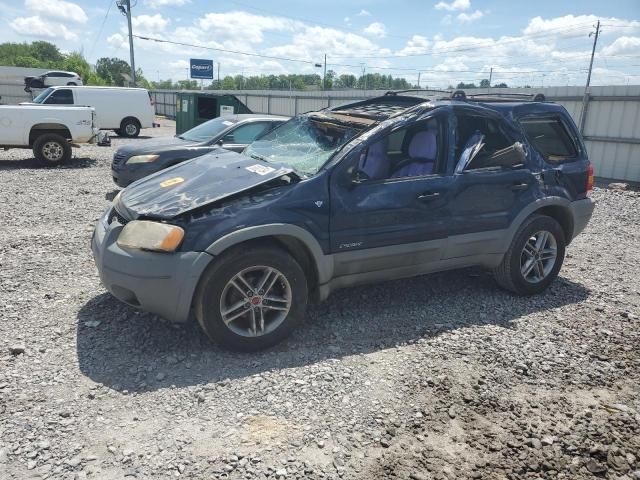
(118, 159)
(115, 216)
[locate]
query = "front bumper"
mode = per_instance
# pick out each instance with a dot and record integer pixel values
(160, 283)
(581, 211)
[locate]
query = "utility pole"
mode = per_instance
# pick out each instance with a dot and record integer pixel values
(490, 76)
(585, 98)
(418, 79)
(125, 7)
(364, 78)
(324, 76)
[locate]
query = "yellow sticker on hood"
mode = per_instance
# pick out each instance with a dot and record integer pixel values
(171, 181)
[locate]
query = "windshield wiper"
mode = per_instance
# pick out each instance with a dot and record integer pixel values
(258, 157)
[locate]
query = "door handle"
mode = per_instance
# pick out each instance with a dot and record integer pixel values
(428, 196)
(519, 186)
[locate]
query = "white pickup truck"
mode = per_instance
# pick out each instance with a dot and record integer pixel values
(49, 131)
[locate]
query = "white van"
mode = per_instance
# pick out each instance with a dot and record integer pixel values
(123, 110)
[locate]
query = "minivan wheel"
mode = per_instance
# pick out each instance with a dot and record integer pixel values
(534, 257)
(251, 300)
(129, 128)
(51, 149)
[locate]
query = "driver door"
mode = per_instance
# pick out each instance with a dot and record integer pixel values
(379, 224)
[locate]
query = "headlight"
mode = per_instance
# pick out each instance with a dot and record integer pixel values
(142, 159)
(147, 235)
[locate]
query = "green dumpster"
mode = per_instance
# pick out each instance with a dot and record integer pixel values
(194, 108)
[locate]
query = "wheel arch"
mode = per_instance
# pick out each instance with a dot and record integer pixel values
(297, 241)
(43, 128)
(557, 208)
(130, 117)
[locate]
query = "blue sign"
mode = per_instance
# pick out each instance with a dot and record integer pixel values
(202, 69)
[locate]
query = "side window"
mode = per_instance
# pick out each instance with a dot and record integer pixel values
(246, 134)
(550, 138)
(60, 97)
(413, 151)
(482, 143)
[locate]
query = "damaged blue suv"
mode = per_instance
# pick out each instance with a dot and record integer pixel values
(384, 188)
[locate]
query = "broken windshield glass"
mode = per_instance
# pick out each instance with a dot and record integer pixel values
(304, 143)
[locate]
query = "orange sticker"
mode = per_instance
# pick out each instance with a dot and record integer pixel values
(171, 181)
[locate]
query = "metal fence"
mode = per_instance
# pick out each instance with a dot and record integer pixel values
(611, 127)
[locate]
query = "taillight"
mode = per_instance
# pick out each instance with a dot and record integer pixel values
(589, 179)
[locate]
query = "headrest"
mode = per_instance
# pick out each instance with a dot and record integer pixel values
(423, 146)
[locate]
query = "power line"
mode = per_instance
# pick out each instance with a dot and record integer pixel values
(158, 40)
(104, 20)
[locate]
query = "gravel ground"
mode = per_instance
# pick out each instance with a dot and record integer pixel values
(439, 377)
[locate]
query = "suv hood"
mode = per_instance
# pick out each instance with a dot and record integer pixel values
(194, 184)
(155, 145)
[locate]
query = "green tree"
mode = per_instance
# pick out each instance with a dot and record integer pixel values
(111, 70)
(501, 85)
(484, 83)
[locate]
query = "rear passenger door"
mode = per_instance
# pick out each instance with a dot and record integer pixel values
(491, 189)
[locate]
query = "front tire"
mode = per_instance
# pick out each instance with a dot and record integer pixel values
(534, 258)
(251, 300)
(51, 149)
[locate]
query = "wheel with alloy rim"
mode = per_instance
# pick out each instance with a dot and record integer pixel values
(51, 149)
(251, 300)
(129, 128)
(534, 258)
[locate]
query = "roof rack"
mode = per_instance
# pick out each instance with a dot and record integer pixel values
(391, 93)
(498, 97)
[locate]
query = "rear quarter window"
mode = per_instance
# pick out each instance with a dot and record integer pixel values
(550, 138)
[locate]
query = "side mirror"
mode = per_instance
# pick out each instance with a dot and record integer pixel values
(220, 142)
(228, 138)
(357, 176)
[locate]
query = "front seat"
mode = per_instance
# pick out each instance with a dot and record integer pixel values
(375, 162)
(423, 149)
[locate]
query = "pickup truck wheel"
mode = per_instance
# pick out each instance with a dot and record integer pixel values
(534, 257)
(251, 300)
(51, 149)
(129, 128)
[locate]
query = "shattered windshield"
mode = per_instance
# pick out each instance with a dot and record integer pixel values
(304, 143)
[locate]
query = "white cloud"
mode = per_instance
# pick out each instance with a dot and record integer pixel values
(470, 17)
(58, 9)
(166, 3)
(118, 41)
(376, 29)
(364, 13)
(569, 25)
(313, 41)
(454, 5)
(149, 23)
(38, 27)
(244, 26)
(623, 45)
(416, 46)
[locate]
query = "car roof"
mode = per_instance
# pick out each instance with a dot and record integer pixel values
(395, 103)
(241, 117)
(98, 87)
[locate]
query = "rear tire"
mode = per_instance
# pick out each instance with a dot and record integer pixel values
(51, 149)
(534, 258)
(261, 293)
(130, 128)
